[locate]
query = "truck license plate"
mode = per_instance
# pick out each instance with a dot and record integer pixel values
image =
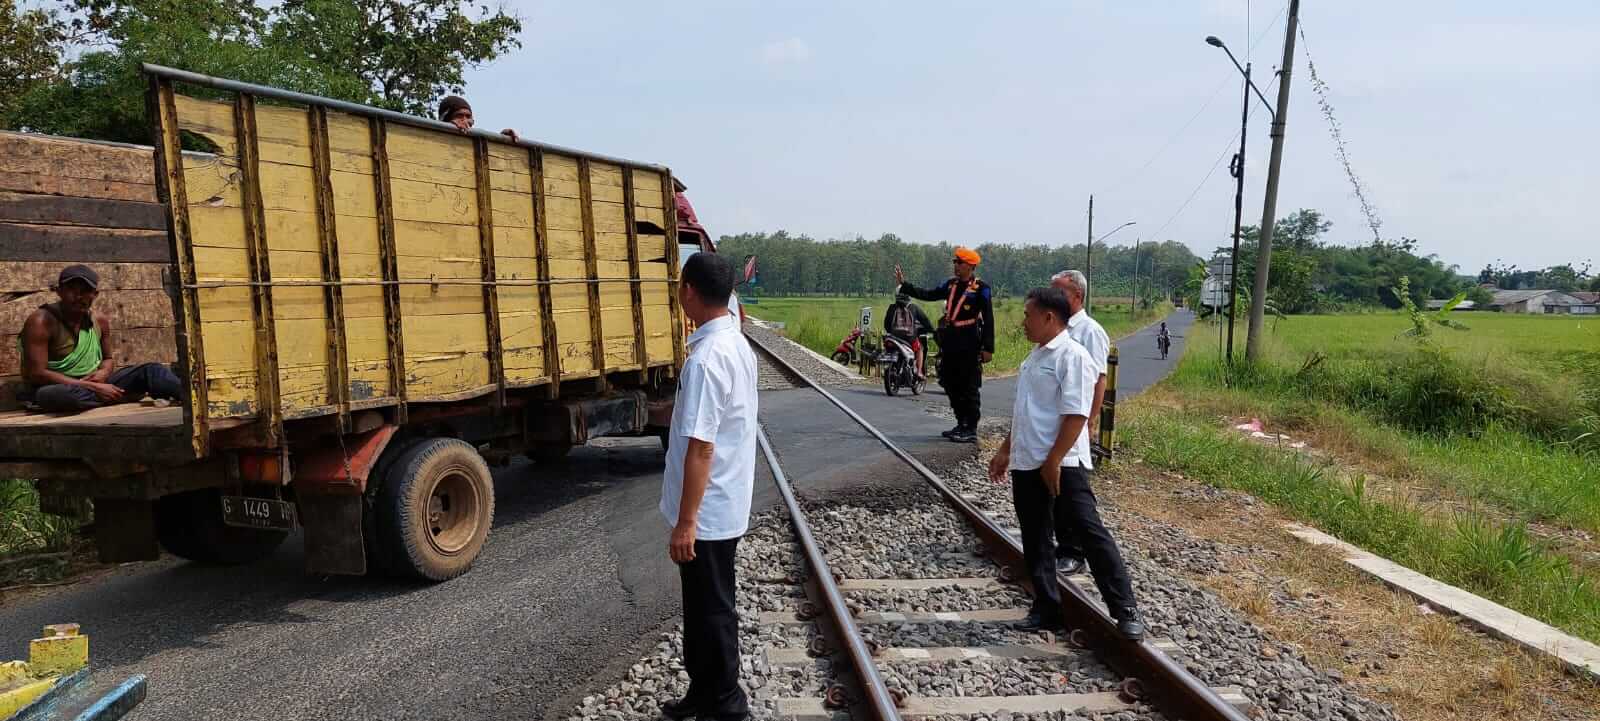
(257, 512)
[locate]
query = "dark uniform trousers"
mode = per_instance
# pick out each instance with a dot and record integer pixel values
(1077, 522)
(711, 630)
(1038, 551)
(961, 376)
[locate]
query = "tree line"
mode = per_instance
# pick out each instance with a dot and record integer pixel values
(1310, 274)
(798, 264)
(74, 70)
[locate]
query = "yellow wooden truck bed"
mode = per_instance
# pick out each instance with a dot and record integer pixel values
(332, 261)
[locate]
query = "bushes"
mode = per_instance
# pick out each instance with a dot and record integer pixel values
(23, 527)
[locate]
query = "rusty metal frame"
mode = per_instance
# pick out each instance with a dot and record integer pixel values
(591, 264)
(269, 412)
(172, 191)
(333, 293)
(669, 217)
(387, 257)
(541, 237)
(491, 290)
(636, 291)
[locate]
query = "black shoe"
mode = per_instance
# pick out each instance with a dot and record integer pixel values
(952, 432)
(680, 709)
(1070, 565)
(965, 435)
(1036, 622)
(725, 717)
(1129, 624)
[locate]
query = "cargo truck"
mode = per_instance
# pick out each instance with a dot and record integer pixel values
(367, 309)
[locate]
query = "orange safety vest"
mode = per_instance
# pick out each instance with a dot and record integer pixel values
(952, 307)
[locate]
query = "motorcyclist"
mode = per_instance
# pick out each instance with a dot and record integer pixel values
(906, 321)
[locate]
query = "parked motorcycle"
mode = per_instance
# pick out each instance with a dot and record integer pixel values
(845, 352)
(898, 363)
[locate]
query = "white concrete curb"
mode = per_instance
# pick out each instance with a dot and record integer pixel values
(1577, 654)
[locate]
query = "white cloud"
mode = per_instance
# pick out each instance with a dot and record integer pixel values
(792, 50)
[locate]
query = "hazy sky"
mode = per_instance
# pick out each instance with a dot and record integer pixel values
(1472, 124)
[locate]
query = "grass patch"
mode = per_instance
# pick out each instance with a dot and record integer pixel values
(819, 323)
(1492, 420)
(1501, 562)
(23, 527)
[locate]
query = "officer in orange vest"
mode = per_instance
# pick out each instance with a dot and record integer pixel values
(965, 335)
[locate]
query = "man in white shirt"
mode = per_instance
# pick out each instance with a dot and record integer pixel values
(1047, 452)
(706, 488)
(1088, 332)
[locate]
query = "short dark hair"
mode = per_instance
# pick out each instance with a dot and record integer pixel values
(1051, 299)
(711, 277)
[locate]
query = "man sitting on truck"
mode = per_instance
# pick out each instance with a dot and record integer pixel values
(66, 354)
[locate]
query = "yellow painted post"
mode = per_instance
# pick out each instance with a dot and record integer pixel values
(541, 254)
(174, 194)
(384, 194)
(635, 290)
(491, 288)
(333, 293)
(669, 202)
(269, 410)
(591, 264)
(61, 651)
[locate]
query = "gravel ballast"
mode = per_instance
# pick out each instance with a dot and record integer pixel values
(913, 535)
(797, 356)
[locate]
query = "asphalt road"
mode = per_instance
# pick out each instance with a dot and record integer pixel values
(572, 587)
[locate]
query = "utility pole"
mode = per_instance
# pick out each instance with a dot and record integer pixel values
(1133, 307)
(1238, 210)
(1088, 253)
(1269, 211)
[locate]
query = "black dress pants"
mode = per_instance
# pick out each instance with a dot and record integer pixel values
(711, 630)
(1077, 520)
(961, 376)
(1032, 501)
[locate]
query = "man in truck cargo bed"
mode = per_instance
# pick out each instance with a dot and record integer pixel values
(67, 364)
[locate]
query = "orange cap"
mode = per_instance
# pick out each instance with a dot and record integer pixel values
(967, 255)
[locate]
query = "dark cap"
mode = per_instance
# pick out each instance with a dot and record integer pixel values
(451, 105)
(79, 272)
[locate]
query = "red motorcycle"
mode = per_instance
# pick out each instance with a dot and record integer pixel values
(845, 353)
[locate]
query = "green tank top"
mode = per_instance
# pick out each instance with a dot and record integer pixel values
(86, 353)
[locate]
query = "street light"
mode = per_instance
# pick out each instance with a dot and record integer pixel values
(1088, 257)
(1236, 168)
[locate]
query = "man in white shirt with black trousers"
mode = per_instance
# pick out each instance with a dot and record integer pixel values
(706, 488)
(1092, 336)
(1047, 452)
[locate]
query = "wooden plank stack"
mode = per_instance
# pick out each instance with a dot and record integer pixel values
(65, 201)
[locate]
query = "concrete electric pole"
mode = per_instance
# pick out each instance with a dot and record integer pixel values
(1269, 211)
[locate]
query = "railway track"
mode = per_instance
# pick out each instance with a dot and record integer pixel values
(876, 628)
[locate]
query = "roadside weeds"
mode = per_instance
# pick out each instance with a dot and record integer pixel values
(1428, 665)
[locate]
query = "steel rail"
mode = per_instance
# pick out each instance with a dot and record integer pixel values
(1174, 689)
(879, 700)
(345, 106)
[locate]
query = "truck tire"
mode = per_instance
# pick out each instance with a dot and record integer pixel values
(434, 510)
(189, 525)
